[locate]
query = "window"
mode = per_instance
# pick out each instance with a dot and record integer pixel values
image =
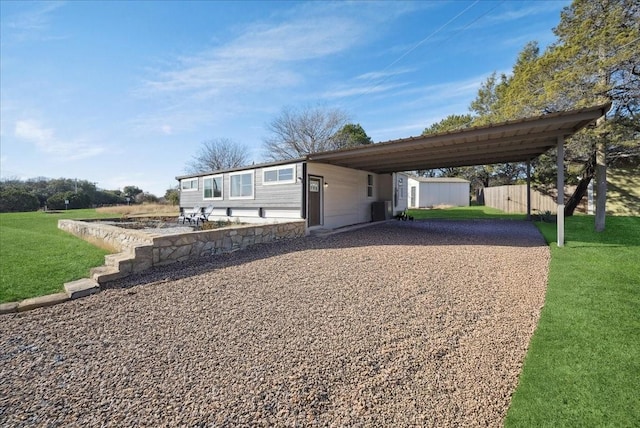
(241, 185)
(369, 185)
(189, 184)
(212, 187)
(282, 175)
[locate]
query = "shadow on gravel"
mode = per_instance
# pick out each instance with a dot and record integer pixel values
(434, 232)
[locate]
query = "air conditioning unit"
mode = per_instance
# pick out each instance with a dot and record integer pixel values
(381, 210)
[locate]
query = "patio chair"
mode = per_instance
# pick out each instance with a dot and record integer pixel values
(204, 214)
(191, 216)
(182, 216)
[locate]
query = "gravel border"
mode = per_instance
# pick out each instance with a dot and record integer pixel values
(399, 324)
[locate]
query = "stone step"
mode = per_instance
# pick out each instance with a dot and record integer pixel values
(81, 288)
(104, 274)
(42, 301)
(121, 261)
(8, 308)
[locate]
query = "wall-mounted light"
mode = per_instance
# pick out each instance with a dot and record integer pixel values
(326, 184)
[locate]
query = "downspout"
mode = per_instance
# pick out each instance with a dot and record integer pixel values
(303, 207)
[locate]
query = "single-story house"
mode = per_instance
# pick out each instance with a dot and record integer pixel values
(355, 185)
(325, 195)
(427, 192)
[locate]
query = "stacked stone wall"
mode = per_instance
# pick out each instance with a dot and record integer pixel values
(111, 236)
(141, 250)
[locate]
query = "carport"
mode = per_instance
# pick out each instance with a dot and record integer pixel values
(513, 141)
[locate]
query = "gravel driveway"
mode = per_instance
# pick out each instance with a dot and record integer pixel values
(420, 323)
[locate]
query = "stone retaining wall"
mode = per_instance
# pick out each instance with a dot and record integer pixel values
(141, 250)
(111, 236)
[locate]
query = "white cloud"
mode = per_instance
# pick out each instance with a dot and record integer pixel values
(362, 90)
(46, 141)
(263, 57)
(384, 74)
(535, 8)
(35, 23)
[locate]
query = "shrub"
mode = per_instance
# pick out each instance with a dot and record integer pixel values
(76, 200)
(14, 200)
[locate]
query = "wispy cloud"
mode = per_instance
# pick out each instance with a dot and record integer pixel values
(263, 57)
(512, 14)
(375, 75)
(361, 90)
(46, 141)
(34, 23)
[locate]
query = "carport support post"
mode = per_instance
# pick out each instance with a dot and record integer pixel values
(528, 189)
(560, 187)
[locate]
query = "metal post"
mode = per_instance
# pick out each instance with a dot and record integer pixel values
(560, 187)
(528, 189)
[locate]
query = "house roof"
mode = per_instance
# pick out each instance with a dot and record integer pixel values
(243, 168)
(512, 141)
(439, 179)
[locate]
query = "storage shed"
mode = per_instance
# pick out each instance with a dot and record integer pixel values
(427, 192)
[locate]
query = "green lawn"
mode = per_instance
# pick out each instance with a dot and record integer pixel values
(583, 364)
(37, 258)
(471, 212)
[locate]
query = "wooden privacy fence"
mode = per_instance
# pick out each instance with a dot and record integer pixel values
(513, 199)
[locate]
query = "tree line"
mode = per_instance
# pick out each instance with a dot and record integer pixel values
(61, 193)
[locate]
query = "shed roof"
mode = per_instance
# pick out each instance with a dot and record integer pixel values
(512, 141)
(439, 179)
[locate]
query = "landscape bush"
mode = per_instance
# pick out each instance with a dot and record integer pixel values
(76, 201)
(14, 200)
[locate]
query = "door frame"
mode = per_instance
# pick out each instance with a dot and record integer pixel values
(321, 203)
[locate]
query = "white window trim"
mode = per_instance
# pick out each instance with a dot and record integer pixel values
(192, 189)
(278, 168)
(253, 184)
(221, 188)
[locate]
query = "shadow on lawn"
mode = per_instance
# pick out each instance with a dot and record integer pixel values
(436, 232)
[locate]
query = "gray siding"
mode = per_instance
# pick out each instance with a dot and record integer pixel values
(273, 196)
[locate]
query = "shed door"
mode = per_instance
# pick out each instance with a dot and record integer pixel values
(315, 201)
(413, 197)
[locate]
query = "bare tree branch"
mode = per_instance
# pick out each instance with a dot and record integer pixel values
(298, 132)
(217, 154)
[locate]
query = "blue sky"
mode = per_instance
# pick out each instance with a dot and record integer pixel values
(124, 93)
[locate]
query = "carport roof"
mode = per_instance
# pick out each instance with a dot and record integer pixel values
(513, 141)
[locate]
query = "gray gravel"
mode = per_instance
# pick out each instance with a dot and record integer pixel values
(399, 324)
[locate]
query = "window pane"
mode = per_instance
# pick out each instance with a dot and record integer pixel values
(189, 184)
(208, 187)
(217, 187)
(285, 174)
(247, 185)
(242, 185)
(235, 185)
(270, 176)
